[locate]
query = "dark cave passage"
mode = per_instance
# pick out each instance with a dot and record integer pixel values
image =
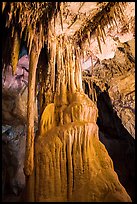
(117, 140)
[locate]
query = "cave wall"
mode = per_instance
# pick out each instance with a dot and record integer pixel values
(115, 99)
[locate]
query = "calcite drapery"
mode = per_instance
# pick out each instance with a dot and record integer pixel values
(71, 164)
(66, 113)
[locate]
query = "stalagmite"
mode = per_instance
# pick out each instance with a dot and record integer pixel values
(69, 165)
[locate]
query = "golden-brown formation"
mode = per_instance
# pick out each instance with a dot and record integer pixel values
(71, 164)
(66, 161)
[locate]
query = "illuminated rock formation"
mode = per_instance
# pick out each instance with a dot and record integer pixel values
(71, 164)
(65, 161)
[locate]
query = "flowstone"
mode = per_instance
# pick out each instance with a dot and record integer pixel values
(71, 164)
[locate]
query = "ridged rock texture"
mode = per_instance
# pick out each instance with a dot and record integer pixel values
(65, 161)
(71, 164)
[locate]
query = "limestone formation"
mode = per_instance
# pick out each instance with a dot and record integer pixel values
(71, 164)
(65, 160)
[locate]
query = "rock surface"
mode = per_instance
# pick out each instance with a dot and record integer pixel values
(71, 164)
(118, 74)
(13, 152)
(118, 150)
(122, 94)
(14, 94)
(113, 91)
(70, 19)
(14, 118)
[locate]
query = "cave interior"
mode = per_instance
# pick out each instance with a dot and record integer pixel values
(68, 101)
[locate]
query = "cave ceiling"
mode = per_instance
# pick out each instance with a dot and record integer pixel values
(97, 27)
(100, 29)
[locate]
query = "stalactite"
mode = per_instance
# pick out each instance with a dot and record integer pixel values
(29, 154)
(98, 40)
(13, 30)
(115, 21)
(40, 32)
(50, 75)
(59, 68)
(61, 15)
(63, 86)
(102, 34)
(28, 37)
(30, 41)
(10, 15)
(43, 40)
(68, 164)
(68, 66)
(3, 6)
(80, 70)
(121, 9)
(54, 62)
(65, 60)
(78, 73)
(72, 71)
(15, 52)
(103, 30)
(89, 38)
(109, 20)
